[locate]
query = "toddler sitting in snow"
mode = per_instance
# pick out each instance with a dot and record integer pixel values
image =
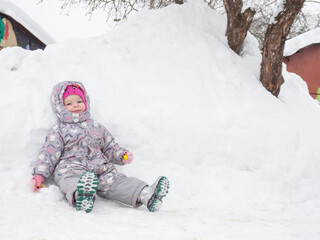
(81, 153)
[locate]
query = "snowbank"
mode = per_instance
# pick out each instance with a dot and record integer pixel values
(242, 163)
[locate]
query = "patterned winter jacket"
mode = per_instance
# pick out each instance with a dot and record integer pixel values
(77, 142)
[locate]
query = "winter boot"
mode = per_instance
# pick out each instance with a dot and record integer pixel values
(87, 187)
(151, 196)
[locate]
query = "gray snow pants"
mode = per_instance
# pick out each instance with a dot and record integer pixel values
(112, 185)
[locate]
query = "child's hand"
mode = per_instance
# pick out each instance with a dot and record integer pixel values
(127, 157)
(36, 183)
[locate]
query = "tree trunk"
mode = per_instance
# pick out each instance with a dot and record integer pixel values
(238, 23)
(178, 2)
(276, 34)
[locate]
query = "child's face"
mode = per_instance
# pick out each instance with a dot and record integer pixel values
(74, 104)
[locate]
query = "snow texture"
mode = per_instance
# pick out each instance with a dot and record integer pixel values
(243, 164)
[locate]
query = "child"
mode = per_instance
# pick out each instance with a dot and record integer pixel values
(80, 153)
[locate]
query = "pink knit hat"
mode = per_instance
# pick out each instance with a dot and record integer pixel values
(75, 89)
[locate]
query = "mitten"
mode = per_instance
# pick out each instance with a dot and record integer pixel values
(127, 157)
(36, 183)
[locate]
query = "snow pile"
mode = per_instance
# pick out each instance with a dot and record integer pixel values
(242, 163)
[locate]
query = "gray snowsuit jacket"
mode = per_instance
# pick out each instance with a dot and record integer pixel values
(78, 144)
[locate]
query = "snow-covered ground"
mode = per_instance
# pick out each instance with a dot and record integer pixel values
(243, 164)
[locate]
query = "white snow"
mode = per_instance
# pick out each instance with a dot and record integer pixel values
(301, 41)
(279, 7)
(243, 164)
(25, 20)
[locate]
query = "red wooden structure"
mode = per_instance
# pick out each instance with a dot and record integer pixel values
(306, 63)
